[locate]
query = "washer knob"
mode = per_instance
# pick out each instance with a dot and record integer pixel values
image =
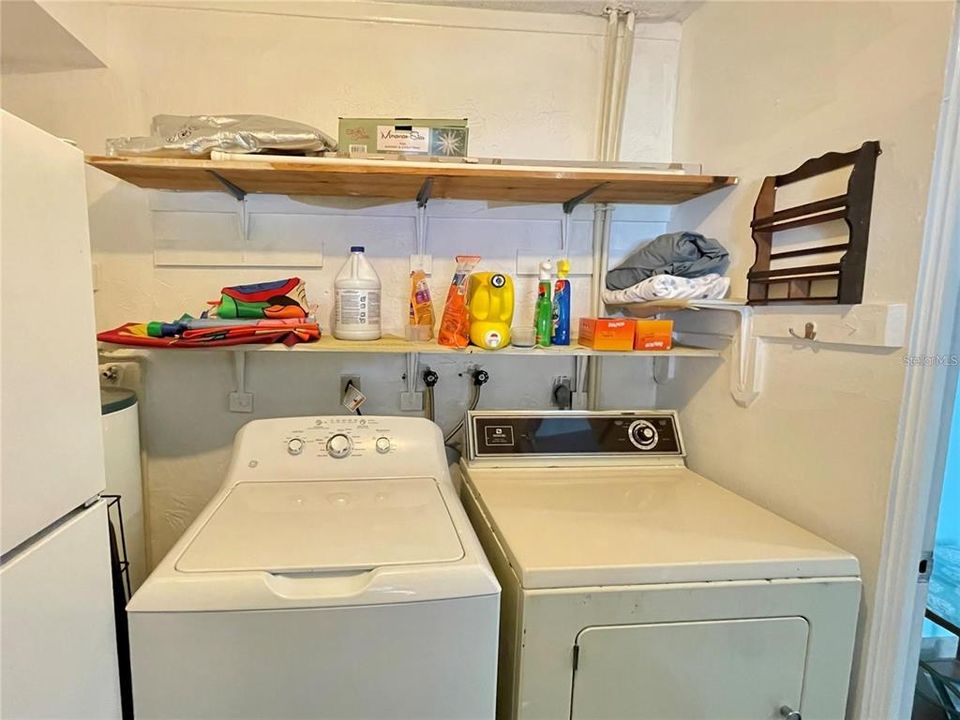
(295, 446)
(383, 445)
(339, 446)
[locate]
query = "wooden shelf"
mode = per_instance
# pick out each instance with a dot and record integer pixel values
(397, 345)
(403, 180)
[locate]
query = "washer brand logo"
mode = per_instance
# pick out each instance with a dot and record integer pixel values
(498, 435)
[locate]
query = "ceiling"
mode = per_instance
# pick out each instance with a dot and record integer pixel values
(32, 41)
(645, 10)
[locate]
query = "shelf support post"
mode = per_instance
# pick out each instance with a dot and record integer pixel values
(410, 399)
(746, 360)
(420, 261)
(664, 369)
(240, 195)
(240, 400)
(578, 400)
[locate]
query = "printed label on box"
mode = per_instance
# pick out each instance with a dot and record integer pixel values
(416, 139)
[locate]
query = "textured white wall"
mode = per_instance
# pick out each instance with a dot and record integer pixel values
(530, 87)
(764, 86)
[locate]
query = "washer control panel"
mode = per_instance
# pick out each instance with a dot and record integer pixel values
(341, 438)
(337, 447)
(574, 434)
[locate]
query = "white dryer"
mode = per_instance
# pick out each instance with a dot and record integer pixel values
(634, 588)
(334, 575)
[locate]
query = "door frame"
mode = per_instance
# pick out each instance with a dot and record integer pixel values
(926, 411)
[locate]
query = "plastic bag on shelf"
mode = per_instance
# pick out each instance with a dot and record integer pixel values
(192, 136)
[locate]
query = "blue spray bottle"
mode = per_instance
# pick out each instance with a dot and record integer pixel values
(561, 304)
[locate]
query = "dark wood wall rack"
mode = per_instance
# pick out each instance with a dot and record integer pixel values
(853, 207)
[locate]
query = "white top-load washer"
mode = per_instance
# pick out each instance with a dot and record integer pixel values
(634, 588)
(334, 575)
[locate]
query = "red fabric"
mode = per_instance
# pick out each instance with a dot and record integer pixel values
(263, 295)
(216, 337)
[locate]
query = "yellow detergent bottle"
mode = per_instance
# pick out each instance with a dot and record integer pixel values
(490, 302)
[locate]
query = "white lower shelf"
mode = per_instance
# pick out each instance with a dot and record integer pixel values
(650, 308)
(393, 345)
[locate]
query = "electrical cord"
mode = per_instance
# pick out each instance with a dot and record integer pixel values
(351, 385)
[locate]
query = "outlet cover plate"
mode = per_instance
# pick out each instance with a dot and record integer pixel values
(411, 401)
(241, 402)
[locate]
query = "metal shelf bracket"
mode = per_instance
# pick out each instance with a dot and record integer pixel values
(423, 195)
(238, 192)
(572, 203)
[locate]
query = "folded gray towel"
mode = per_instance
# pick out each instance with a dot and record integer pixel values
(684, 254)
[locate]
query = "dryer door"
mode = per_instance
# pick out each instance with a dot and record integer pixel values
(717, 670)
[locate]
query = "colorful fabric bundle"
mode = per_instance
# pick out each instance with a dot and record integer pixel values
(277, 299)
(263, 313)
(288, 332)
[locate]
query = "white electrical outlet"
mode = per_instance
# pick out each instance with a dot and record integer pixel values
(241, 402)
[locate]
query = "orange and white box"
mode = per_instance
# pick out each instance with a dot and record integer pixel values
(653, 335)
(607, 333)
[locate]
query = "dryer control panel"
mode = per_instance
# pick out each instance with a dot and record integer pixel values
(565, 434)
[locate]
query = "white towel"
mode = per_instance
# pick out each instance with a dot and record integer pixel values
(670, 287)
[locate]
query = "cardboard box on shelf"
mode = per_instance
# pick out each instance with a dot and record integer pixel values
(607, 333)
(653, 335)
(404, 136)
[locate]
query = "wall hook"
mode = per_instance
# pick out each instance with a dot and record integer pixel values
(809, 332)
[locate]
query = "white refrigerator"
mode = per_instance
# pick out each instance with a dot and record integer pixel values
(58, 651)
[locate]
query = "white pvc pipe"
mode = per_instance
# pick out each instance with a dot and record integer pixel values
(613, 101)
(609, 64)
(625, 59)
(618, 51)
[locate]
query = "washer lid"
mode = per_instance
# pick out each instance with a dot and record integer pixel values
(578, 527)
(311, 526)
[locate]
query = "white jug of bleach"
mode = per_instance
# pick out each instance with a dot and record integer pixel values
(357, 303)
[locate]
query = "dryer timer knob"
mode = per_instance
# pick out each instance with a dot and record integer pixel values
(339, 446)
(643, 435)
